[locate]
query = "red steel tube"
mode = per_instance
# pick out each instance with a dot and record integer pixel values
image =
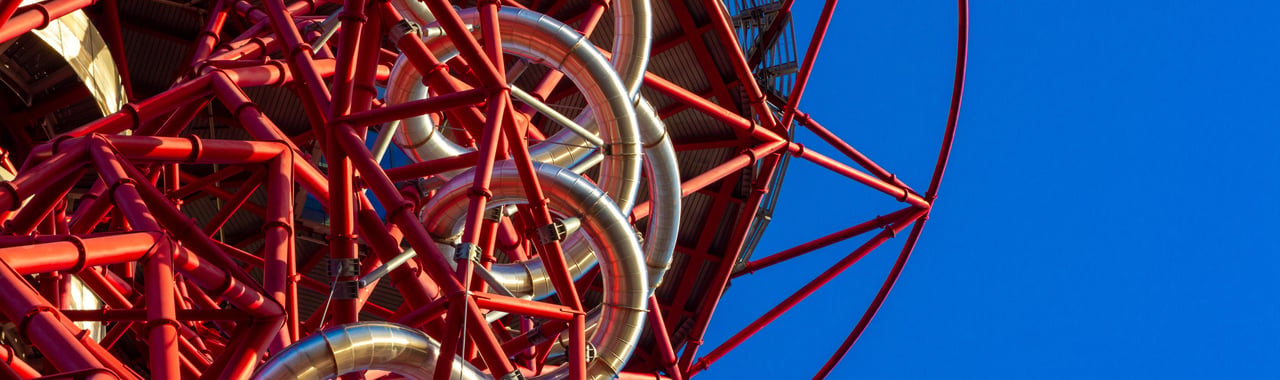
(161, 327)
(523, 307)
(75, 253)
(398, 211)
(115, 44)
(551, 252)
(106, 315)
(298, 53)
(957, 94)
(134, 114)
(440, 80)
(540, 334)
(278, 244)
(197, 185)
(235, 203)
(723, 170)
(822, 242)
(705, 106)
(478, 199)
(801, 294)
(364, 90)
(643, 376)
(947, 139)
(150, 148)
(432, 167)
(899, 193)
(208, 37)
(449, 341)
(342, 240)
(37, 16)
(848, 150)
(19, 368)
(41, 204)
(889, 281)
(237, 287)
(247, 113)
(162, 316)
(42, 324)
(662, 339)
(410, 280)
(422, 314)
(417, 107)
(38, 178)
(485, 69)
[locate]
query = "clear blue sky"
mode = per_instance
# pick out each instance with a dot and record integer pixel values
(1110, 210)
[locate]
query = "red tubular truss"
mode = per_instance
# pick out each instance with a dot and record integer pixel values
(149, 207)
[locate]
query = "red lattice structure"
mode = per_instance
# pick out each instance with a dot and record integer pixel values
(394, 188)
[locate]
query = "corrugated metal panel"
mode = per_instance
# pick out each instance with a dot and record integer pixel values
(665, 23)
(282, 107)
(670, 284)
(692, 217)
(721, 239)
(181, 20)
(152, 60)
(706, 272)
(693, 163)
(698, 11)
(721, 59)
(675, 64)
(693, 125)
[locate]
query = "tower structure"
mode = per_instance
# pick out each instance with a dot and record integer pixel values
(379, 188)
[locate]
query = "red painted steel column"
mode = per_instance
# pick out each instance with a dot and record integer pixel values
(278, 245)
(957, 94)
(342, 240)
(217, 273)
(479, 197)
